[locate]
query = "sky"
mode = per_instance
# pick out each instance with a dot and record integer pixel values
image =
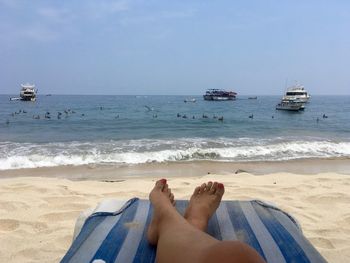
(162, 47)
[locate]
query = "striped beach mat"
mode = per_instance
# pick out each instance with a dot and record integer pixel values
(120, 236)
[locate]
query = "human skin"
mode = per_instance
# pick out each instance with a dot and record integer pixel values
(183, 239)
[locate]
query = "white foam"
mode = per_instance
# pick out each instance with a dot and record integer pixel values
(15, 155)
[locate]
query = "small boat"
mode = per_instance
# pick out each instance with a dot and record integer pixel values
(252, 98)
(290, 105)
(190, 100)
(28, 92)
(219, 95)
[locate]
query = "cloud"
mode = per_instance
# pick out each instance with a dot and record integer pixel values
(178, 14)
(9, 3)
(55, 15)
(158, 17)
(118, 6)
(41, 24)
(38, 33)
(50, 25)
(50, 21)
(16, 34)
(102, 8)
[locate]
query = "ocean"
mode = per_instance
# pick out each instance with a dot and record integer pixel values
(142, 129)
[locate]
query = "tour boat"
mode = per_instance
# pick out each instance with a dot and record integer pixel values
(28, 92)
(219, 95)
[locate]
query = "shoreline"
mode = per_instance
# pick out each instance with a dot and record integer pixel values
(110, 172)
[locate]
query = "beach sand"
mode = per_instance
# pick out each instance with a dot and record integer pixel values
(37, 214)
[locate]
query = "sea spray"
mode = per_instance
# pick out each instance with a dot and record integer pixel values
(31, 155)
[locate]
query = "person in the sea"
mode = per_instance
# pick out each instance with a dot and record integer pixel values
(183, 239)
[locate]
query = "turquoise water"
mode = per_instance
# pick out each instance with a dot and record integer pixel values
(139, 129)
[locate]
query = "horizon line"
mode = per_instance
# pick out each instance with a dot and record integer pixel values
(70, 94)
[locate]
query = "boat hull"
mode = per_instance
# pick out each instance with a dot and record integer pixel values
(218, 98)
(296, 98)
(289, 108)
(28, 98)
(28, 93)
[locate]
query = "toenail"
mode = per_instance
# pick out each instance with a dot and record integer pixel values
(220, 185)
(163, 181)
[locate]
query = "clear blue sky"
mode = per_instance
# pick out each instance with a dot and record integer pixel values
(174, 47)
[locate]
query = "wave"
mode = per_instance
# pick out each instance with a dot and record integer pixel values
(29, 155)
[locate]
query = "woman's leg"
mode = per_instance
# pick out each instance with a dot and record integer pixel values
(184, 240)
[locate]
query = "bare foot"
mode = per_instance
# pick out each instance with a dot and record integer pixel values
(203, 203)
(163, 201)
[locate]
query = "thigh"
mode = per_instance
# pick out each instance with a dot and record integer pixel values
(231, 251)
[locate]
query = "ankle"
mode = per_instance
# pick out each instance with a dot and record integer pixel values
(199, 223)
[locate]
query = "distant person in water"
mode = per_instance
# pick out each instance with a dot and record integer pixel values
(183, 239)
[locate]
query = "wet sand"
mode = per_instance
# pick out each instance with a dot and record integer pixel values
(183, 169)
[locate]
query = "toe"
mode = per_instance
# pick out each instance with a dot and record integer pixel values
(166, 188)
(209, 186)
(202, 188)
(213, 188)
(196, 190)
(220, 190)
(160, 184)
(171, 197)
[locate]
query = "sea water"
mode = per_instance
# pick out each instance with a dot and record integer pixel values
(141, 129)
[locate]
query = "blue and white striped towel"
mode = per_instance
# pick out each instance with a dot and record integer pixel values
(120, 236)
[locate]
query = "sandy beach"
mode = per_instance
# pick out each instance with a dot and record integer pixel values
(37, 213)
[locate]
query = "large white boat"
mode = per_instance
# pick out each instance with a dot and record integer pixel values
(297, 93)
(28, 92)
